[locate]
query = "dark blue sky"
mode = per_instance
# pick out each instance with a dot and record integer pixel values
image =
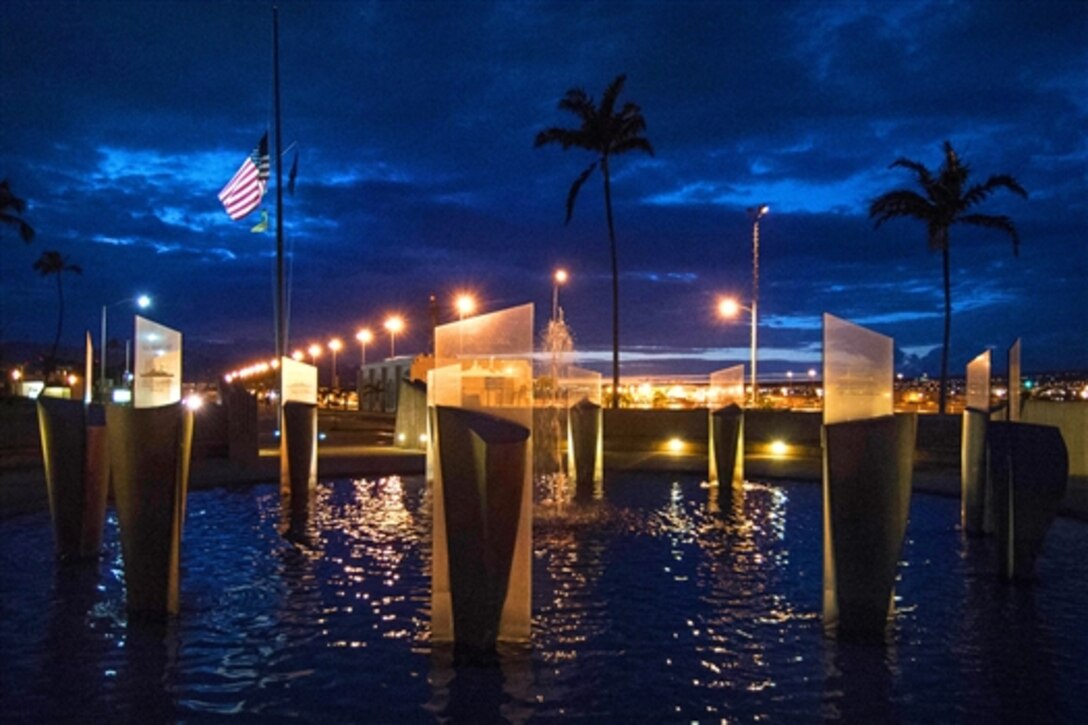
(415, 122)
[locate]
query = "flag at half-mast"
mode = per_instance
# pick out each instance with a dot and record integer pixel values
(245, 190)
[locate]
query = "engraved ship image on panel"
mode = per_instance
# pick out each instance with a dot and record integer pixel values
(155, 370)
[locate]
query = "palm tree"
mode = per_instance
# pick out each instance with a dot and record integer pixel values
(11, 210)
(53, 263)
(605, 132)
(946, 201)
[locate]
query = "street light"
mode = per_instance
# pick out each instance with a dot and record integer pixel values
(298, 355)
(364, 336)
(315, 352)
(756, 213)
(560, 277)
(335, 344)
(465, 304)
(728, 308)
(393, 325)
(143, 302)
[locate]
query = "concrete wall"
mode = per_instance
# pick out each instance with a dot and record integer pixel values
(639, 437)
(1072, 419)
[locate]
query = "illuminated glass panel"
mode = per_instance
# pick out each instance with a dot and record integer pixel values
(858, 367)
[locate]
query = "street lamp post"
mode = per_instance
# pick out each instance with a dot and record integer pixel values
(756, 213)
(729, 308)
(465, 305)
(393, 325)
(315, 352)
(143, 302)
(335, 344)
(364, 336)
(559, 278)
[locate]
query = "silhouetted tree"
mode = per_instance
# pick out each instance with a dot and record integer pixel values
(53, 263)
(606, 133)
(945, 201)
(11, 210)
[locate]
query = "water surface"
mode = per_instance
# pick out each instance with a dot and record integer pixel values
(657, 604)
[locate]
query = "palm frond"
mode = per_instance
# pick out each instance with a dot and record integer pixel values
(925, 176)
(575, 187)
(565, 137)
(1001, 223)
(979, 192)
(578, 102)
(26, 232)
(608, 100)
(901, 203)
(8, 200)
(11, 207)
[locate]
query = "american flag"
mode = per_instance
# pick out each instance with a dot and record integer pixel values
(243, 193)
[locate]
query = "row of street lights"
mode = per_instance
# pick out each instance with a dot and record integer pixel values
(394, 324)
(465, 304)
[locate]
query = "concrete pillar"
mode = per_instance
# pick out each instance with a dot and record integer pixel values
(76, 460)
(149, 452)
(867, 477)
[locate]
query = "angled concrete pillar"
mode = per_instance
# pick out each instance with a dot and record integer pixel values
(482, 543)
(727, 445)
(76, 460)
(1029, 470)
(149, 452)
(298, 454)
(586, 420)
(867, 476)
(974, 481)
(241, 408)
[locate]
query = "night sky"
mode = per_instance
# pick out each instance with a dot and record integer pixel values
(415, 121)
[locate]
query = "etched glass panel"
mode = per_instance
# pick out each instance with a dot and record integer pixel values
(578, 384)
(298, 381)
(858, 369)
(978, 382)
(726, 388)
(157, 374)
(494, 356)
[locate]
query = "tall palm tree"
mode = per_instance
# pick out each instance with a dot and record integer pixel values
(11, 210)
(53, 263)
(605, 132)
(946, 201)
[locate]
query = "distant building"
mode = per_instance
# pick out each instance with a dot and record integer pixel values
(378, 383)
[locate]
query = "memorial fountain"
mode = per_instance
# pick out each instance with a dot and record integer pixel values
(657, 607)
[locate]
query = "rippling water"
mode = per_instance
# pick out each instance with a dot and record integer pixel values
(651, 606)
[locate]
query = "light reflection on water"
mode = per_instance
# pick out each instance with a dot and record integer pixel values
(664, 602)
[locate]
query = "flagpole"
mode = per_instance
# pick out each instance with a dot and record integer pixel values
(281, 326)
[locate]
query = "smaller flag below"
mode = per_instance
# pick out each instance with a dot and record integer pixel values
(243, 193)
(262, 225)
